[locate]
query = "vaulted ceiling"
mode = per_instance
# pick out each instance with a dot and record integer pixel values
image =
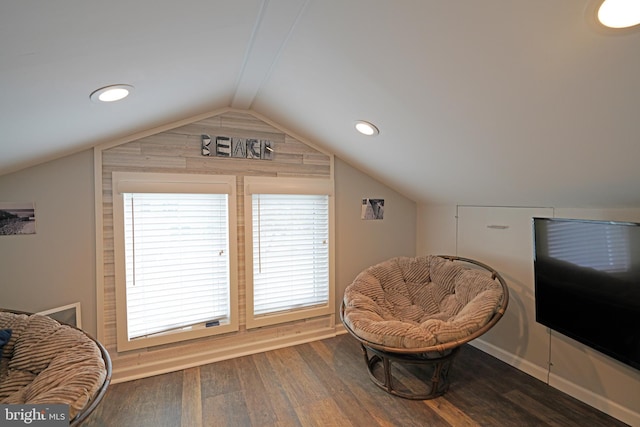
(495, 102)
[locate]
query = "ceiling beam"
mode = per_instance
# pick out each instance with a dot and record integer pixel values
(274, 25)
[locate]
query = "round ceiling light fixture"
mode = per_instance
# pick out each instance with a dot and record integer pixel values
(111, 93)
(619, 13)
(366, 128)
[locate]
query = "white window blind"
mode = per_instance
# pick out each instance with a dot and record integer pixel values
(290, 251)
(177, 261)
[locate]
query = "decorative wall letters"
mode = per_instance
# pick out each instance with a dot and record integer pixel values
(241, 148)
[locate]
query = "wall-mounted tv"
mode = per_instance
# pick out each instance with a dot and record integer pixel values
(587, 283)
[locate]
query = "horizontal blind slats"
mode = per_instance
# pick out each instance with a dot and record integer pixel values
(290, 251)
(177, 265)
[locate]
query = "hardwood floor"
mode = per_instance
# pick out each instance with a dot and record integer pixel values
(325, 383)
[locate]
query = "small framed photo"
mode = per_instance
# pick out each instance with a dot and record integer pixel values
(372, 209)
(17, 218)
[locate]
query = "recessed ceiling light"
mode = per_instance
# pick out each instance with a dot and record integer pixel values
(619, 13)
(366, 128)
(111, 93)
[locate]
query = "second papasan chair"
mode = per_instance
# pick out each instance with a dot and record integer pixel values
(416, 313)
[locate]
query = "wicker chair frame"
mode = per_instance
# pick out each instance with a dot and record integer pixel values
(435, 360)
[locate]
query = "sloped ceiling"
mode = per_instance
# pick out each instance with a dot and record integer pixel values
(493, 103)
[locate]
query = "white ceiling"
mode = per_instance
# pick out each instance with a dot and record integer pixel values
(492, 102)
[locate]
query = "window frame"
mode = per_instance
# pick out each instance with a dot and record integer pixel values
(278, 185)
(143, 182)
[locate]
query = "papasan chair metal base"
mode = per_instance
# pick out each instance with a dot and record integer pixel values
(410, 370)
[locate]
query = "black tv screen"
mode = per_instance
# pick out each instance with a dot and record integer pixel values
(587, 283)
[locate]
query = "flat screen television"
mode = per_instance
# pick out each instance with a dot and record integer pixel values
(587, 283)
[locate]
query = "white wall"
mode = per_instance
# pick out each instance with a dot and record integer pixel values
(55, 266)
(436, 229)
(575, 368)
(359, 243)
(503, 238)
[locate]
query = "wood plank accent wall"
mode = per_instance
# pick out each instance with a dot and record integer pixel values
(178, 150)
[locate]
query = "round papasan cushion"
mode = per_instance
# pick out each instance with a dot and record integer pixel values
(410, 303)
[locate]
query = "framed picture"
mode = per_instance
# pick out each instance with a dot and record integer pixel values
(372, 209)
(69, 314)
(17, 218)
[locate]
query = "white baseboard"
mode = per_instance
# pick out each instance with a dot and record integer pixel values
(597, 401)
(601, 403)
(525, 366)
(212, 354)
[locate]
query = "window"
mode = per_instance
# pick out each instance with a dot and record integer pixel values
(288, 249)
(175, 257)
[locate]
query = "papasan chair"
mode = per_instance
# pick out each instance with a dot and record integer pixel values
(416, 313)
(44, 362)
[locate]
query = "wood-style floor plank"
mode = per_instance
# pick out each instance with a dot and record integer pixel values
(450, 413)
(325, 383)
(280, 406)
(321, 413)
(297, 379)
(316, 356)
(257, 395)
(191, 398)
(149, 402)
